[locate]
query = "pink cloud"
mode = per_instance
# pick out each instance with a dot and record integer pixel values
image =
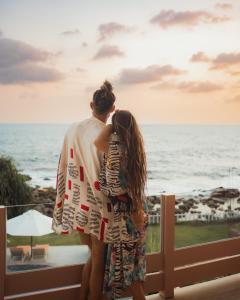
(169, 18)
(221, 61)
(28, 73)
(149, 74)
(80, 70)
(224, 6)
(199, 86)
(224, 60)
(108, 51)
(110, 29)
(234, 99)
(200, 57)
(71, 32)
(20, 63)
(190, 86)
(234, 73)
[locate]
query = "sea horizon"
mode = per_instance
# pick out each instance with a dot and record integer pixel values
(181, 158)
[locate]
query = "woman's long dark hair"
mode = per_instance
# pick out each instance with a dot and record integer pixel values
(125, 125)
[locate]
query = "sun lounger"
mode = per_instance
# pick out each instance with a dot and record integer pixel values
(45, 246)
(38, 253)
(17, 254)
(26, 249)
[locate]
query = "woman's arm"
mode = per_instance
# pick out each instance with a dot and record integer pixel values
(101, 141)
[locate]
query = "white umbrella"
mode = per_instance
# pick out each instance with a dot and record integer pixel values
(31, 223)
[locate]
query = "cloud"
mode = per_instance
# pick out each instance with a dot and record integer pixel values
(70, 32)
(224, 60)
(149, 74)
(20, 63)
(224, 6)
(110, 29)
(13, 52)
(200, 57)
(190, 86)
(108, 51)
(221, 61)
(80, 70)
(168, 18)
(199, 87)
(26, 73)
(234, 73)
(234, 99)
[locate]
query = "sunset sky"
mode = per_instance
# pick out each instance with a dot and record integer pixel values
(169, 61)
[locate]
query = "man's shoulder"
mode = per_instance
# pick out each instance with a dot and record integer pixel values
(76, 125)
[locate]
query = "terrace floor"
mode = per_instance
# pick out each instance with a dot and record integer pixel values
(225, 288)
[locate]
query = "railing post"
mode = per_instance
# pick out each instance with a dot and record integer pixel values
(2, 251)
(168, 243)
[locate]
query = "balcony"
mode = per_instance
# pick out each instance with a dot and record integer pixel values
(203, 271)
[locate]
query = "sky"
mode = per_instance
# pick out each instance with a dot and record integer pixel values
(169, 61)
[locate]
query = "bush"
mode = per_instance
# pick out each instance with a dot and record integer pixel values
(13, 187)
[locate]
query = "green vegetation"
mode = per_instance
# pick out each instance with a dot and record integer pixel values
(185, 235)
(188, 234)
(13, 187)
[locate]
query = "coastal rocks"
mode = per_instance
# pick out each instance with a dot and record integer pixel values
(153, 199)
(45, 200)
(204, 200)
(225, 193)
(186, 207)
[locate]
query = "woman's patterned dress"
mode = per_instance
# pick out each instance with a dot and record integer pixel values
(125, 261)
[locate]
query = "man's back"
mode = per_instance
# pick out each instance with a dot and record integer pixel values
(80, 205)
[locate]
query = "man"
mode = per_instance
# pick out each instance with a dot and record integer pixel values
(80, 205)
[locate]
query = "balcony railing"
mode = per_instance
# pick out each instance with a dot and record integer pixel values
(166, 270)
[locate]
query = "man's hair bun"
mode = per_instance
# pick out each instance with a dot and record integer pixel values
(104, 98)
(106, 86)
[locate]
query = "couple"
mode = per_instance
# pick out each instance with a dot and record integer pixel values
(100, 193)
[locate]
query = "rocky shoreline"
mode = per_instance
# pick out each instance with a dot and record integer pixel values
(217, 201)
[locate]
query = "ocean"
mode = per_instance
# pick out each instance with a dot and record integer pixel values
(182, 159)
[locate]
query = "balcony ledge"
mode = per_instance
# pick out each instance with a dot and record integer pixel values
(219, 289)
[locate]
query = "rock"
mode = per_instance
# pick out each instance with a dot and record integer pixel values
(184, 207)
(225, 193)
(212, 204)
(179, 211)
(204, 200)
(46, 178)
(218, 200)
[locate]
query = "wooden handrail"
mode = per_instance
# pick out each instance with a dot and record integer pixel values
(166, 269)
(168, 243)
(2, 251)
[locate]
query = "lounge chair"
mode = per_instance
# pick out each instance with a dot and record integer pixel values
(17, 254)
(45, 246)
(38, 253)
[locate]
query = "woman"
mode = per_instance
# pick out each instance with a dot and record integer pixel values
(122, 179)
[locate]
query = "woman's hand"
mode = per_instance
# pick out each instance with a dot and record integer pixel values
(101, 142)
